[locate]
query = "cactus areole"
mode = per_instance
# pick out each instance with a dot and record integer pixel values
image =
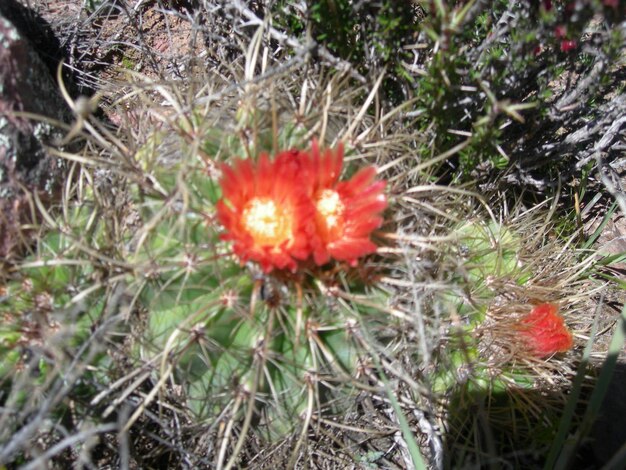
(284, 211)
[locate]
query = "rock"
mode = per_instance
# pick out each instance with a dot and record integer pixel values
(26, 85)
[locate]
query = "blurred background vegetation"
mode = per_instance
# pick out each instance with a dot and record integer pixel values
(130, 338)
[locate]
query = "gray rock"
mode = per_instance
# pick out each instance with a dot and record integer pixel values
(26, 85)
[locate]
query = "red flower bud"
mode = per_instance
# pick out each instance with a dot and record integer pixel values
(544, 331)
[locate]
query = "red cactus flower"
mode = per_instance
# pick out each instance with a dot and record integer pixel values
(544, 331)
(277, 212)
(346, 212)
(266, 211)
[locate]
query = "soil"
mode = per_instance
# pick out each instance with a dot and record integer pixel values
(156, 39)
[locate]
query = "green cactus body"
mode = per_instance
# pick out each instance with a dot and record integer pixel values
(490, 252)
(487, 376)
(212, 318)
(50, 308)
(217, 350)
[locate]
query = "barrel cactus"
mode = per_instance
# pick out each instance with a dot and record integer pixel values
(236, 263)
(520, 311)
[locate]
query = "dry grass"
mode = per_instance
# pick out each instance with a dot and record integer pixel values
(89, 385)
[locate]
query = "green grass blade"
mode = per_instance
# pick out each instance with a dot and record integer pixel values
(594, 236)
(570, 407)
(599, 392)
(414, 450)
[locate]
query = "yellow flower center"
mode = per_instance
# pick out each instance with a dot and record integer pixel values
(268, 223)
(329, 214)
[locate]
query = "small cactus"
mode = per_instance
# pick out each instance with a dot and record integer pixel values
(509, 337)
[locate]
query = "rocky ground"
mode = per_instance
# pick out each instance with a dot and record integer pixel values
(103, 43)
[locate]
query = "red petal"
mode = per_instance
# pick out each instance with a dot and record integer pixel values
(336, 163)
(351, 248)
(376, 189)
(225, 216)
(359, 182)
(363, 228)
(321, 256)
(366, 211)
(545, 332)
